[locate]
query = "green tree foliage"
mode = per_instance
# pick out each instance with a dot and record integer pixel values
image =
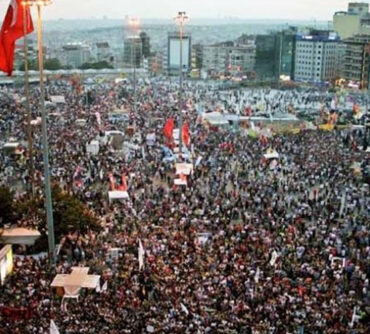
(33, 65)
(53, 64)
(96, 66)
(70, 215)
(7, 214)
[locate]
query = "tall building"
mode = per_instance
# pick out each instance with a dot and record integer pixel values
(229, 57)
(145, 43)
(275, 54)
(317, 57)
(75, 55)
(133, 51)
(355, 21)
(197, 56)
(103, 52)
(356, 60)
(173, 53)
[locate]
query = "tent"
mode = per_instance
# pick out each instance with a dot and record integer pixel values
(271, 155)
(58, 99)
(93, 147)
(73, 282)
(117, 195)
(19, 236)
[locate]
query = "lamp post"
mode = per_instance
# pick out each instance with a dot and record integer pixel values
(134, 24)
(180, 19)
(48, 202)
(28, 107)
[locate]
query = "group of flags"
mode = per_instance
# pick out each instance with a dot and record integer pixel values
(168, 131)
(113, 186)
(14, 27)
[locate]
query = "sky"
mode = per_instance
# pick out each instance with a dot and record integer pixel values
(167, 9)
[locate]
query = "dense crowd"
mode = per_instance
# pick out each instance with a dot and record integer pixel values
(248, 246)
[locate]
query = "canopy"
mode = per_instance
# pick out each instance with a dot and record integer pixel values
(271, 155)
(73, 282)
(19, 236)
(93, 147)
(58, 99)
(116, 195)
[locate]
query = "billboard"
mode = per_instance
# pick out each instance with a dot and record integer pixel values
(174, 52)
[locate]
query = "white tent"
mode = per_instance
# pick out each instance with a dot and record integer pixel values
(271, 155)
(117, 195)
(58, 99)
(93, 147)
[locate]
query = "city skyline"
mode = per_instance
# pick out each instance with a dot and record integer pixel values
(166, 9)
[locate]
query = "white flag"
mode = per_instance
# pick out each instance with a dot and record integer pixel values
(185, 309)
(257, 275)
(98, 289)
(274, 257)
(105, 286)
(53, 328)
(141, 255)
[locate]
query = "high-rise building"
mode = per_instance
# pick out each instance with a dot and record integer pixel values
(75, 55)
(133, 51)
(317, 57)
(197, 56)
(275, 54)
(103, 52)
(229, 57)
(173, 53)
(145, 43)
(355, 21)
(356, 60)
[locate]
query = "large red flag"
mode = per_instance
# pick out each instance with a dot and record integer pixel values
(185, 134)
(168, 128)
(12, 29)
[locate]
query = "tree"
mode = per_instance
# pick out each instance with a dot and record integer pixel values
(52, 64)
(70, 215)
(95, 66)
(7, 214)
(33, 65)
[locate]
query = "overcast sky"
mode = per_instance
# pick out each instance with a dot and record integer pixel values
(247, 9)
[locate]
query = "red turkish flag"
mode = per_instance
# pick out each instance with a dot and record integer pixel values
(12, 29)
(168, 128)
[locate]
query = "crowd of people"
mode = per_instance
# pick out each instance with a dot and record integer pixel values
(250, 245)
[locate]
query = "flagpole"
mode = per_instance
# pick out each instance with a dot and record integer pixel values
(181, 18)
(28, 107)
(48, 201)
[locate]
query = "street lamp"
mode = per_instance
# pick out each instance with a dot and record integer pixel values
(28, 106)
(181, 19)
(48, 202)
(134, 25)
